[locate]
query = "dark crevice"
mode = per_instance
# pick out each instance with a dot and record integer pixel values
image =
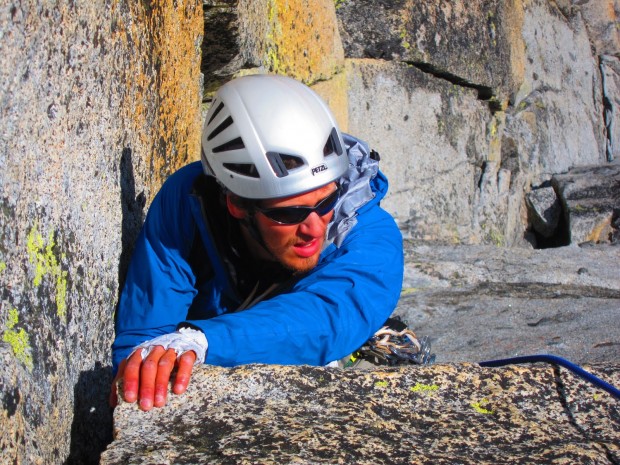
(560, 238)
(608, 112)
(483, 169)
(485, 93)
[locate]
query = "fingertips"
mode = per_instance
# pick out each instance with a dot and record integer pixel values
(130, 375)
(185, 366)
(148, 375)
(165, 367)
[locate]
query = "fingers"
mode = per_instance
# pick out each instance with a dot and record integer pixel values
(148, 375)
(131, 376)
(113, 399)
(184, 372)
(147, 380)
(165, 366)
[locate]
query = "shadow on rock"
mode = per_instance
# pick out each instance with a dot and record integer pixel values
(91, 430)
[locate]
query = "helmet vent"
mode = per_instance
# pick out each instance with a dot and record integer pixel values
(235, 144)
(223, 125)
(282, 163)
(333, 144)
(244, 169)
(215, 113)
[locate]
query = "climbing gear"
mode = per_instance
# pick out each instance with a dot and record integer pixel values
(182, 340)
(554, 359)
(297, 214)
(269, 136)
(393, 344)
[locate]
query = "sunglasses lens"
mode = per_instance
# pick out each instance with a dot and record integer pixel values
(328, 203)
(286, 215)
(295, 215)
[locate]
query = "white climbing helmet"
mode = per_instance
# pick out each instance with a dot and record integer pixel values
(269, 136)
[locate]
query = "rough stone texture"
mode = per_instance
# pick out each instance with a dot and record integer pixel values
(610, 72)
(601, 17)
(535, 89)
(469, 104)
(299, 38)
(443, 414)
(434, 146)
(480, 303)
(591, 198)
(468, 43)
(544, 209)
(556, 121)
(99, 103)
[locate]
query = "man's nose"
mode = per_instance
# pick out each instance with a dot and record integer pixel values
(313, 225)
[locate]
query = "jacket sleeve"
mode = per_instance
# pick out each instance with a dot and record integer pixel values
(326, 315)
(159, 287)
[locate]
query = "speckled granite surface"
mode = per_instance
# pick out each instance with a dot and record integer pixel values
(444, 414)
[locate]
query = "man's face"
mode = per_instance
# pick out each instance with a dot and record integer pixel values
(296, 246)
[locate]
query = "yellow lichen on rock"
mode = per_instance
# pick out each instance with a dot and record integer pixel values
(18, 340)
(303, 40)
(166, 37)
(42, 256)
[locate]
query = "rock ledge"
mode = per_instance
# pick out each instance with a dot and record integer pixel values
(440, 414)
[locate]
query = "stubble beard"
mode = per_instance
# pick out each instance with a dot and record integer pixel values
(282, 254)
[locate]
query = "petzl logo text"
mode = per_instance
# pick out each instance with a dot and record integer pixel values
(318, 169)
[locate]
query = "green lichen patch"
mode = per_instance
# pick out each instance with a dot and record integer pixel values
(18, 340)
(42, 256)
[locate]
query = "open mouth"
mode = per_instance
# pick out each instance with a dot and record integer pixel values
(307, 248)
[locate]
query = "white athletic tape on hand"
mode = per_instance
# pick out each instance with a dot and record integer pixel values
(183, 340)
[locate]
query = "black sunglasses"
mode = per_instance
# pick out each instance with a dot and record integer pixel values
(297, 214)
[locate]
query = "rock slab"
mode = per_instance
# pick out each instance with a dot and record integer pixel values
(442, 414)
(480, 303)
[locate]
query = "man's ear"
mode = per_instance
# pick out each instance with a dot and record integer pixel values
(234, 205)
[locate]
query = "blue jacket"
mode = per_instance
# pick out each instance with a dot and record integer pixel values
(325, 316)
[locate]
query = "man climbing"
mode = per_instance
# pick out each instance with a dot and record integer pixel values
(274, 249)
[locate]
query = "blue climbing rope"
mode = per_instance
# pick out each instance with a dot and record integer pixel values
(615, 392)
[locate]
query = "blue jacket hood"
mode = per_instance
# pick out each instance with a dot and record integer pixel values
(363, 186)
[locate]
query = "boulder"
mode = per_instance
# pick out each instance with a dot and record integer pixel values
(591, 199)
(545, 210)
(443, 414)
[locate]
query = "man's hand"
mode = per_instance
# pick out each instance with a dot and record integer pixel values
(147, 380)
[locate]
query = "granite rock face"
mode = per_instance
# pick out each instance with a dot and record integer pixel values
(99, 102)
(468, 43)
(591, 201)
(299, 38)
(513, 94)
(443, 414)
(480, 303)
